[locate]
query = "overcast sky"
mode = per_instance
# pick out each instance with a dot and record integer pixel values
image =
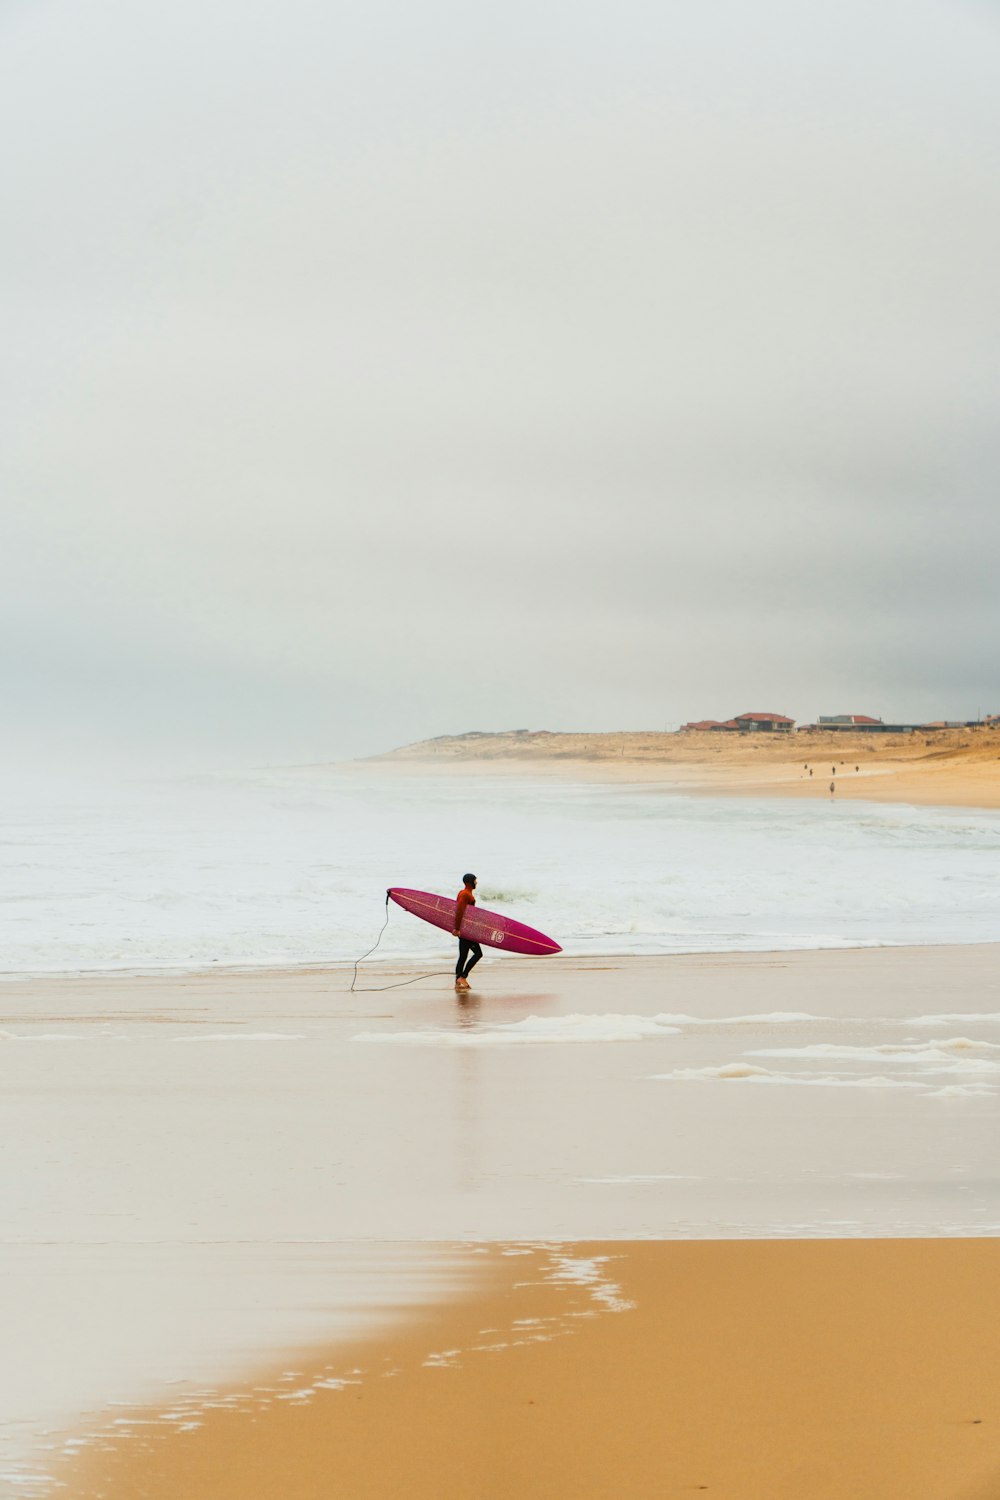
(379, 371)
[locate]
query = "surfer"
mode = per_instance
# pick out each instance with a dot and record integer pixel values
(465, 964)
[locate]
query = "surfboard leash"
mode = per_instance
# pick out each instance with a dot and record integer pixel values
(371, 950)
(378, 988)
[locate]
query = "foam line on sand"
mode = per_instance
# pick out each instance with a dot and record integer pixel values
(750, 1370)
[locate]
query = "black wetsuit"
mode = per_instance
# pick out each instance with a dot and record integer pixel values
(463, 901)
(462, 968)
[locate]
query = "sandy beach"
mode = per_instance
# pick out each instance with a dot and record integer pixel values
(227, 1194)
(750, 1371)
(947, 768)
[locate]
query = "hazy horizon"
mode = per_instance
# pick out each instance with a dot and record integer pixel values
(377, 373)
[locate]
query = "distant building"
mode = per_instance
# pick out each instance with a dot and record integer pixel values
(742, 724)
(848, 721)
(854, 723)
(758, 723)
(702, 726)
(764, 723)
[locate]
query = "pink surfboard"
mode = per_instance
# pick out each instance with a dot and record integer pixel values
(479, 926)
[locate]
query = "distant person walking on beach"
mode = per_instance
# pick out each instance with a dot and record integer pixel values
(465, 964)
(833, 788)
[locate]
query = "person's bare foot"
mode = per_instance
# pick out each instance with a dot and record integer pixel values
(461, 984)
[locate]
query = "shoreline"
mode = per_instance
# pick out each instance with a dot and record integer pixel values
(402, 965)
(948, 769)
(925, 787)
(756, 1371)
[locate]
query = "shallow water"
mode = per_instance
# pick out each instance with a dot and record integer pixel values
(291, 866)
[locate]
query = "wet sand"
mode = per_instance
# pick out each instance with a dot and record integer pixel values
(212, 1180)
(762, 1371)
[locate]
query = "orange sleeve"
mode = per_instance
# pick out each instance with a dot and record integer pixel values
(463, 901)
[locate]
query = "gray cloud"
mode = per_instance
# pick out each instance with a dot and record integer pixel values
(371, 374)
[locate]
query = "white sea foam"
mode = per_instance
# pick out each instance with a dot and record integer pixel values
(774, 1017)
(291, 866)
(953, 1018)
(592, 1274)
(962, 1067)
(245, 1036)
(533, 1029)
(723, 1070)
(938, 1052)
(43, 1036)
(746, 1071)
(962, 1091)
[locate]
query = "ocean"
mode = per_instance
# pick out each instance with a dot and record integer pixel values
(284, 867)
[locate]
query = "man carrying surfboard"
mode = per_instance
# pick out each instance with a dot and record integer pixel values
(465, 964)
